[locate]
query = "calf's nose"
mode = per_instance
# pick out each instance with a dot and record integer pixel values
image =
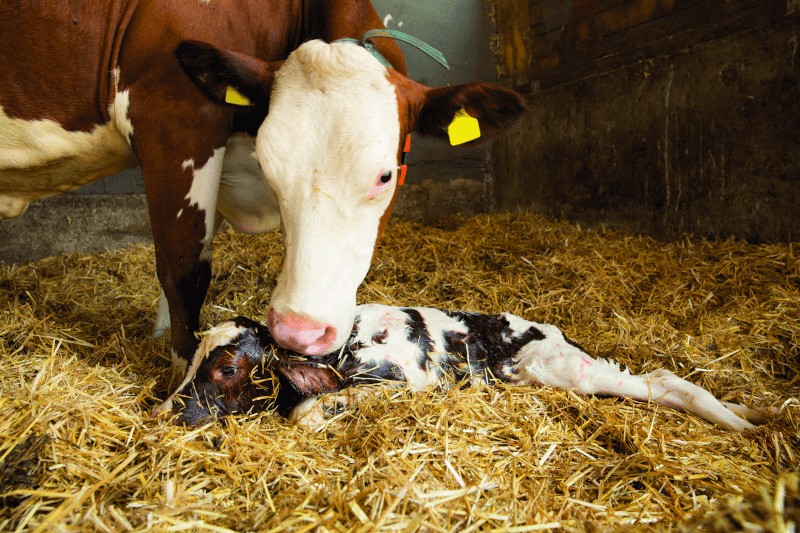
(301, 334)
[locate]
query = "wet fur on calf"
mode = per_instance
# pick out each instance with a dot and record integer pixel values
(237, 377)
(243, 370)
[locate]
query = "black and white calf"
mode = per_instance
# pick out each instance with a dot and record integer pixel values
(239, 368)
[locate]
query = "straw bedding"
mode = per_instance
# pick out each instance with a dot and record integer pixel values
(79, 374)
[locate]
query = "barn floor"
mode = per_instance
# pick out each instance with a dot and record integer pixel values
(79, 374)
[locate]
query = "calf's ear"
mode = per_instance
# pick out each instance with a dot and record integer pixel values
(469, 114)
(226, 77)
(310, 380)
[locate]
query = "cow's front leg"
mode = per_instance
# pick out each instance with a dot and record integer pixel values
(182, 196)
(184, 273)
(183, 230)
(162, 322)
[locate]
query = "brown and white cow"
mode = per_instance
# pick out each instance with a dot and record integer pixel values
(90, 88)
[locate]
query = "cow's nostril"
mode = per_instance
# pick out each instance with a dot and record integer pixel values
(301, 334)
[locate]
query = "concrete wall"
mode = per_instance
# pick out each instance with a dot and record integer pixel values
(441, 181)
(660, 116)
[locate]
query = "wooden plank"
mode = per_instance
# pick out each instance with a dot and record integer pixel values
(689, 23)
(702, 22)
(589, 22)
(624, 16)
(513, 25)
(553, 16)
(582, 9)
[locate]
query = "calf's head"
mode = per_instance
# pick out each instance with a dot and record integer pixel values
(238, 368)
(329, 148)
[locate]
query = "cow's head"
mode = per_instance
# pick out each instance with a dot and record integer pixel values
(329, 149)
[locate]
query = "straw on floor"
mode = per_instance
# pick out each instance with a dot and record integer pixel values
(79, 375)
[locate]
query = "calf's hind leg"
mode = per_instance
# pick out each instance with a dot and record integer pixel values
(555, 362)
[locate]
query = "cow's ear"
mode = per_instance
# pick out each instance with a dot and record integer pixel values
(469, 114)
(227, 77)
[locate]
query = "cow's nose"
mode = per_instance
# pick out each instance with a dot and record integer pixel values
(301, 334)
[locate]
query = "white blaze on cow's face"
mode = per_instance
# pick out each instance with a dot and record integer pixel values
(328, 150)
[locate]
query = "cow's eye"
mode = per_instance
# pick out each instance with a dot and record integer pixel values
(229, 371)
(381, 183)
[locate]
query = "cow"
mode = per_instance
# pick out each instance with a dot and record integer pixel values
(239, 368)
(261, 114)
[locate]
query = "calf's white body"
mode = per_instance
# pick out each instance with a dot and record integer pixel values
(421, 347)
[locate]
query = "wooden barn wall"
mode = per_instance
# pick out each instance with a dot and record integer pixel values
(660, 116)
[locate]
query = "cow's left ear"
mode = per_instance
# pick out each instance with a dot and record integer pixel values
(226, 77)
(453, 112)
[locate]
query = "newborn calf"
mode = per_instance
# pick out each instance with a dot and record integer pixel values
(239, 368)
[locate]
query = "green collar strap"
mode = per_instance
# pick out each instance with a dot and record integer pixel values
(366, 42)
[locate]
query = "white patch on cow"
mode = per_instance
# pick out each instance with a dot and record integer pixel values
(389, 325)
(332, 129)
(203, 193)
(245, 200)
(219, 335)
(39, 158)
(119, 109)
(11, 207)
(162, 322)
(178, 363)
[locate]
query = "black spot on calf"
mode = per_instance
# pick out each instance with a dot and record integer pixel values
(418, 334)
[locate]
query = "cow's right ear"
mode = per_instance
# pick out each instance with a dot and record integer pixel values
(226, 77)
(488, 110)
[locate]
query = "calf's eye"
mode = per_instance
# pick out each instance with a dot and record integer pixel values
(228, 371)
(386, 177)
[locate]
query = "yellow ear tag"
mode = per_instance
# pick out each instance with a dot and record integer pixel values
(232, 96)
(463, 129)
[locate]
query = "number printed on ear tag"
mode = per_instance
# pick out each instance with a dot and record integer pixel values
(463, 129)
(232, 96)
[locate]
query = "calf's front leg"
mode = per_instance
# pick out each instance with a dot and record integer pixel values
(317, 412)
